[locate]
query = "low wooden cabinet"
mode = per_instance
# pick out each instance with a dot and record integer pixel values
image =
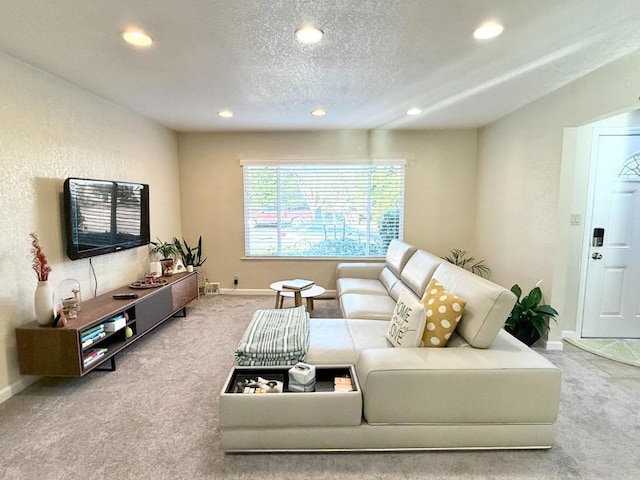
(50, 351)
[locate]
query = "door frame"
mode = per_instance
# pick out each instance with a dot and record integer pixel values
(597, 132)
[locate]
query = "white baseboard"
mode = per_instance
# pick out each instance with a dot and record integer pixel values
(246, 291)
(570, 334)
(7, 392)
(267, 292)
(554, 345)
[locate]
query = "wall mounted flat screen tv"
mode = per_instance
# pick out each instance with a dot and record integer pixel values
(103, 216)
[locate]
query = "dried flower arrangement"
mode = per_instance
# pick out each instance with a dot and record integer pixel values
(40, 264)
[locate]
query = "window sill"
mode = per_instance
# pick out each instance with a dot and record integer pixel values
(324, 259)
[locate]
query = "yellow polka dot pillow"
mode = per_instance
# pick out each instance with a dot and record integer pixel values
(444, 311)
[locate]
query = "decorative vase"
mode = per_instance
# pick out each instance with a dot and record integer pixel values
(44, 303)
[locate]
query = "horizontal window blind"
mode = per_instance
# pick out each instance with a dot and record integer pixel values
(330, 209)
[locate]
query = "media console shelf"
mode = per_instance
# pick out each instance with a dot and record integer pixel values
(61, 352)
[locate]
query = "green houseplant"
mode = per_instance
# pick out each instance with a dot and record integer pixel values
(189, 255)
(529, 320)
(459, 258)
(166, 251)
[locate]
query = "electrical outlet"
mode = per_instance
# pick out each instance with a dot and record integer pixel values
(235, 279)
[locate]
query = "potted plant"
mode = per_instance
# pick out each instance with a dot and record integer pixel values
(529, 320)
(166, 251)
(459, 258)
(189, 255)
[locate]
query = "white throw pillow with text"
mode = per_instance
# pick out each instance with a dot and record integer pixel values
(407, 323)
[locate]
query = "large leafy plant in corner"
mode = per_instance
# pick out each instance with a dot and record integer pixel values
(529, 320)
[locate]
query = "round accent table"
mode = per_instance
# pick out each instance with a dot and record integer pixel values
(309, 294)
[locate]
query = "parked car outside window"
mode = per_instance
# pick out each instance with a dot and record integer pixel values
(268, 216)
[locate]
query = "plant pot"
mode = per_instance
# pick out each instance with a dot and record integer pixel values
(525, 332)
(200, 276)
(43, 301)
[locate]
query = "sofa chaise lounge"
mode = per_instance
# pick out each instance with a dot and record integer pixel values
(484, 390)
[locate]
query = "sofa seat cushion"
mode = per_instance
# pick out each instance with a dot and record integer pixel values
(360, 285)
(374, 307)
(338, 341)
(368, 334)
(508, 384)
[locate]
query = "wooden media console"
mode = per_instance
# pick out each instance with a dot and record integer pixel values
(51, 351)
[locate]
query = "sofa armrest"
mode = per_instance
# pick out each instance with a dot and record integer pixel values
(457, 385)
(359, 270)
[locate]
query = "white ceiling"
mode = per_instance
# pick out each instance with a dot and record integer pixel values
(378, 57)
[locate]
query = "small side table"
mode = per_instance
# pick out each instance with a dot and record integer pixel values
(309, 294)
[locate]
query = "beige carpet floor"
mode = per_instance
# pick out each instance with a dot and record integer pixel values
(156, 417)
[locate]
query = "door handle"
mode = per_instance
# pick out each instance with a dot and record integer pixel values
(596, 256)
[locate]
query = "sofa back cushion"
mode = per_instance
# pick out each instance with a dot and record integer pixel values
(388, 278)
(418, 271)
(488, 304)
(398, 254)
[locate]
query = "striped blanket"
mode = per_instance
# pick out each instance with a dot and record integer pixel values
(275, 337)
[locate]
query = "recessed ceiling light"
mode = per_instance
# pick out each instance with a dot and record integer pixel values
(137, 38)
(488, 30)
(414, 111)
(225, 113)
(319, 112)
(309, 34)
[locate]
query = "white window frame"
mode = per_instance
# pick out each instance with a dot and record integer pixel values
(277, 249)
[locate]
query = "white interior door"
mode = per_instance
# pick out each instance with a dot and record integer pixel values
(612, 289)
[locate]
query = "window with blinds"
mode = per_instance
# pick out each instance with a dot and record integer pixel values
(322, 209)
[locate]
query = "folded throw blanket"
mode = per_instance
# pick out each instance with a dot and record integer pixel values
(275, 337)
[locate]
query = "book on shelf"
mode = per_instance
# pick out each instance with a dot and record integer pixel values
(342, 384)
(116, 323)
(298, 284)
(92, 355)
(91, 335)
(93, 340)
(92, 330)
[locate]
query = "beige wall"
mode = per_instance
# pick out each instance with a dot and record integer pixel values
(519, 229)
(50, 130)
(440, 183)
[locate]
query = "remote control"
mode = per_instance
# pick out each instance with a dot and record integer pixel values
(125, 296)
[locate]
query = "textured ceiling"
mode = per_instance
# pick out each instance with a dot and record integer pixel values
(378, 57)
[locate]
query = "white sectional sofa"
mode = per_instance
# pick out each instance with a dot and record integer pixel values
(485, 389)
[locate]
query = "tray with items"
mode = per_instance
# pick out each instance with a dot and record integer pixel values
(159, 282)
(260, 396)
